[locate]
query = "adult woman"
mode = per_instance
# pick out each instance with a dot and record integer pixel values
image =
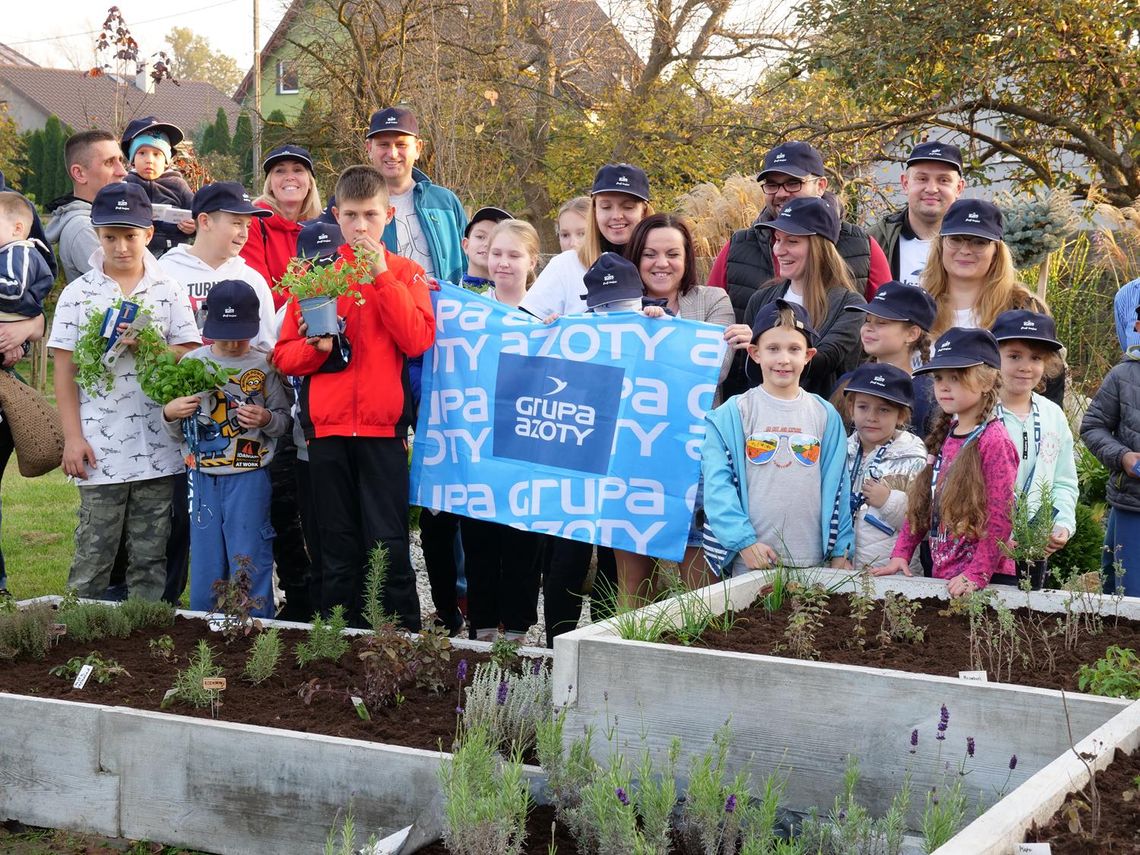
(662, 249)
(290, 192)
(815, 276)
(619, 200)
(971, 277)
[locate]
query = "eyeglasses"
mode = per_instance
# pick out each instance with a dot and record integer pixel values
(959, 241)
(761, 448)
(771, 188)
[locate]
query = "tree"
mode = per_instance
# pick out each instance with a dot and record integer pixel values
(191, 58)
(1060, 79)
(13, 148)
(241, 147)
(46, 175)
(216, 137)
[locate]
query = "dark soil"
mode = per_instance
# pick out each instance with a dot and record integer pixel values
(1119, 831)
(945, 650)
(424, 720)
(539, 836)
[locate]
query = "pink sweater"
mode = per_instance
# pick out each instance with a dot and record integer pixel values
(978, 559)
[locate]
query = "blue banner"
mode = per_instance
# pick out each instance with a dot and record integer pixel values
(589, 428)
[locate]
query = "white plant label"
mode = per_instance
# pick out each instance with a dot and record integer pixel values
(1033, 849)
(361, 709)
(216, 624)
(170, 693)
(82, 677)
(976, 676)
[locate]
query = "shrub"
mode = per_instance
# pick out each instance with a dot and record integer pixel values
(24, 632)
(1082, 554)
(1117, 675)
(485, 799)
(143, 614)
(326, 639)
(263, 656)
(188, 683)
(508, 706)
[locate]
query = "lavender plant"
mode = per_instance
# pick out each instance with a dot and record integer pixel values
(568, 770)
(507, 706)
(849, 829)
(485, 798)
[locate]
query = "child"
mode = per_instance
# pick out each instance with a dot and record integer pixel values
(356, 411)
(964, 497)
(232, 443)
(1030, 354)
(896, 331)
(476, 242)
(114, 442)
(25, 275)
(571, 222)
(149, 146)
(776, 440)
(512, 256)
(882, 457)
(222, 215)
(1111, 430)
(613, 284)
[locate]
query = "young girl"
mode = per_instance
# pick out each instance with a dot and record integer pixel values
(501, 562)
(1038, 427)
(964, 496)
(882, 457)
(571, 222)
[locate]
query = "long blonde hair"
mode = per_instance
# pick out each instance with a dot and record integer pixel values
(591, 247)
(526, 234)
(825, 269)
(311, 207)
(1000, 293)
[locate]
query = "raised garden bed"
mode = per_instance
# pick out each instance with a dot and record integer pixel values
(805, 716)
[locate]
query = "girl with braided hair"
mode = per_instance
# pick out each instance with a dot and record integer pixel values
(963, 499)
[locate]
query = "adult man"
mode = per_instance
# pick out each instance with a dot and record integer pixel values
(429, 220)
(932, 182)
(93, 160)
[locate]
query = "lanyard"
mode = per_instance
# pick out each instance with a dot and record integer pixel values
(1035, 415)
(857, 497)
(935, 514)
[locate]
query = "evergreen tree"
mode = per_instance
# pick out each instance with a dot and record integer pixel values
(221, 135)
(54, 170)
(241, 147)
(275, 132)
(33, 176)
(205, 144)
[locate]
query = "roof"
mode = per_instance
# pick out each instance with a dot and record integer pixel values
(8, 56)
(82, 102)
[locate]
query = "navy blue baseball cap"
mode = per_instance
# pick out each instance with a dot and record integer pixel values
(975, 217)
(622, 178)
(769, 313)
(794, 158)
(898, 302)
(1023, 325)
(937, 151)
(396, 119)
(962, 347)
(227, 196)
(883, 381)
(121, 203)
(287, 152)
(611, 279)
(233, 312)
(318, 239)
(806, 215)
(485, 214)
(150, 126)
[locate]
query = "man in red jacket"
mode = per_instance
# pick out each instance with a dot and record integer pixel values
(356, 406)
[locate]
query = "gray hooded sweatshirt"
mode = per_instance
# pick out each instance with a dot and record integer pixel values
(70, 227)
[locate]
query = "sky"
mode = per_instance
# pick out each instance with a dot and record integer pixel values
(65, 37)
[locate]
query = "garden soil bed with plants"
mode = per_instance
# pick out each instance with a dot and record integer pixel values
(539, 836)
(944, 650)
(424, 720)
(1119, 830)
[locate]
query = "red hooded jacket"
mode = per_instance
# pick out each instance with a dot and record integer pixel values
(371, 396)
(272, 244)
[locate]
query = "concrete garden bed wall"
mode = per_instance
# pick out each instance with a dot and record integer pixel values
(211, 785)
(806, 717)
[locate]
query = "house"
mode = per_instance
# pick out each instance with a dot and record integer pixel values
(592, 52)
(80, 101)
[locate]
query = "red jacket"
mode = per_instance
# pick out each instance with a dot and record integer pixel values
(370, 396)
(272, 244)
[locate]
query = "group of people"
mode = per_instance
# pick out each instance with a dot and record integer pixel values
(896, 388)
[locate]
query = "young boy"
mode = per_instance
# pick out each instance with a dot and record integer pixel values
(476, 241)
(114, 442)
(774, 461)
(356, 412)
(25, 275)
(149, 146)
(222, 216)
(233, 442)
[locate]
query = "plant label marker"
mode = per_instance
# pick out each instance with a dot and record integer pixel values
(361, 709)
(1033, 849)
(82, 677)
(216, 624)
(170, 693)
(214, 684)
(976, 676)
(57, 629)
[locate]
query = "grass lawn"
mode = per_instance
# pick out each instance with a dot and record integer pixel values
(38, 531)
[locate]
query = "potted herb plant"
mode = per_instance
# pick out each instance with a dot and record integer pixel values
(317, 287)
(1029, 539)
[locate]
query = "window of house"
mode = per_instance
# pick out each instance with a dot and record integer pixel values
(287, 80)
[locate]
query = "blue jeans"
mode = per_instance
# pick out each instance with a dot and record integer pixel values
(1122, 544)
(230, 519)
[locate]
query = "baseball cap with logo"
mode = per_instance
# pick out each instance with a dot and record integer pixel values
(232, 311)
(287, 152)
(485, 214)
(319, 240)
(621, 178)
(937, 151)
(612, 279)
(974, 217)
(769, 314)
(795, 158)
(961, 347)
(883, 381)
(395, 119)
(226, 196)
(898, 302)
(122, 204)
(806, 215)
(1023, 325)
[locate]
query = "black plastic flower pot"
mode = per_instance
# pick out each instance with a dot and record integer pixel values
(1034, 571)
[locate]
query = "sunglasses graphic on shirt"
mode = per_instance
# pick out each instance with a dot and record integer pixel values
(761, 448)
